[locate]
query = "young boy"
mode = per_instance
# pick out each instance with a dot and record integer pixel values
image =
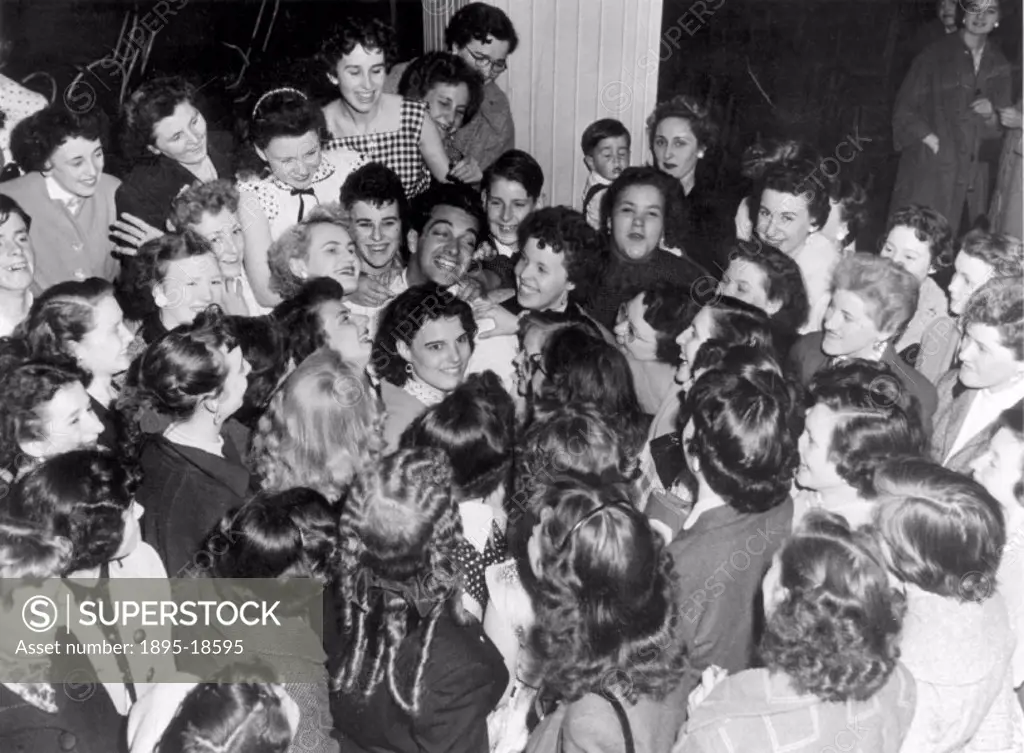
(920, 240)
(511, 189)
(605, 145)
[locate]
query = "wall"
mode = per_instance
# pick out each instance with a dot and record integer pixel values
(577, 61)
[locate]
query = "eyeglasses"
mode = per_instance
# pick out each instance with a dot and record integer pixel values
(485, 61)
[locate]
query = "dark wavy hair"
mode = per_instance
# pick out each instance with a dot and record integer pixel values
(474, 426)
(784, 281)
(372, 35)
(299, 319)
(397, 574)
(701, 117)
(376, 184)
(671, 193)
(516, 166)
(37, 137)
(25, 389)
(237, 712)
(81, 495)
(26, 551)
(62, 315)
(744, 436)
(405, 316)
(1004, 253)
(929, 227)
(135, 291)
(434, 68)
(146, 107)
(480, 21)
(735, 322)
(287, 534)
(836, 632)
(943, 532)
(566, 232)
(761, 155)
(852, 202)
(876, 418)
(9, 206)
(999, 303)
(454, 195)
(796, 178)
(279, 113)
(668, 310)
(606, 610)
(263, 347)
(190, 205)
(579, 368)
(175, 373)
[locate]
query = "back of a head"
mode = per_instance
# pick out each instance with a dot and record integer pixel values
(473, 425)
(263, 348)
(61, 317)
(28, 551)
(942, 532)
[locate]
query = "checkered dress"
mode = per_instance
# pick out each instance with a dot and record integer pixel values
(399, 150)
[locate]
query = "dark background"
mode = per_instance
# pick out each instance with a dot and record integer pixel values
(830, 67)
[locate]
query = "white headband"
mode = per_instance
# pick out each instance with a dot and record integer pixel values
(271, 93)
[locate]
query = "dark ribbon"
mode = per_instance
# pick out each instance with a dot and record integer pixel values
(302, 204)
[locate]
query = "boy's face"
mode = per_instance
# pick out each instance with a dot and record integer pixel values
(224, 232)
(507, 204)
(610, 157)
(378, 233)
(913, 254)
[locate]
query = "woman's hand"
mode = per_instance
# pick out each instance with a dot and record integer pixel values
(708, 680)
(982, 107)
(1010, 117)
(131, 232)
(932, 142)
(505, 322)
(466, 171)
(370, 292)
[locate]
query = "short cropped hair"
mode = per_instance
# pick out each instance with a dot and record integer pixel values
(293, 243)
(784, 282)
(796, 178)
(566, 232)
(372, 35)
(1004, 253)
(377, 185)
(700, 116)
(455, 195)
(480, 21)
(191, 204)
(299, 317)
(929, 227)
(37, 137)
(599, 130)
(669, 310)
(433, 68)
(473, 425)
(942, 531)
(876, 419)
(516, 166)
(889, 291)
(743, 438)
(999, 303)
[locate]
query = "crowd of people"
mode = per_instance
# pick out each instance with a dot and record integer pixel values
(662, 471)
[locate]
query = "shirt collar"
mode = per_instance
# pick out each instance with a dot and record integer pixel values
(323, 172)
(58, 193)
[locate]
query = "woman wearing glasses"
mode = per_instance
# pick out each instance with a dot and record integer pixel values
(484, 37)
(385, 128)
(605, 632)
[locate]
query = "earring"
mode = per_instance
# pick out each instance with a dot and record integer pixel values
(408, 369)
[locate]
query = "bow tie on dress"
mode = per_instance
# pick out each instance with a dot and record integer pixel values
(300, 192)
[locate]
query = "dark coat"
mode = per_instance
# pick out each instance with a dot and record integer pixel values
(186, 492)
(463, 680)
(807, 359)
(935, 98)
(954, 403)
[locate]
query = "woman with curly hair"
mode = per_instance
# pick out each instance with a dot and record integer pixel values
(44, 411)
(383, 127)
(318, 317)
(290, 175)
(178, 394)
(943, 537)
(830, 652)
(322, 426)
(411, 669)
(320, 245)
(67, 194)
(606, 632)
(81, 324)
(641, 219)
(857, 416)
(423, 346)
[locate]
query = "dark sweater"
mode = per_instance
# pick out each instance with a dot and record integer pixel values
(463, 680)
(186, 491)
